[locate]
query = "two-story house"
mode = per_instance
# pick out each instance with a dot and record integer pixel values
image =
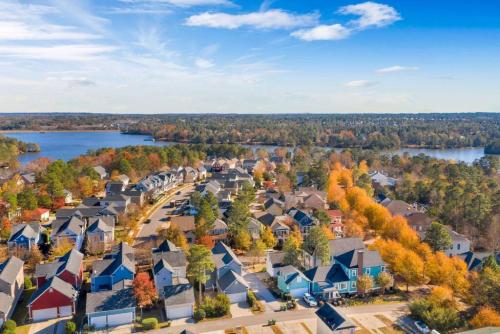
(11, 286)
(292, 281)
(100, 234)
(304, 221)
(114, 270)
(55, 298)
(68, 268)
(169, 266)
(70, 230)
(219, 231)
(24, 236)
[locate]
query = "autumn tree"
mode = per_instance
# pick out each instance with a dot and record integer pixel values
(267, 237)
(257, 251)
(175, 235)
(384, 280)
(35, 257)
(328, 233)
(242, 240)
(144, 290)
(486, 316)
(364, 283)
(62, 247)
(410, 267)
(292, 252)
(200, 265)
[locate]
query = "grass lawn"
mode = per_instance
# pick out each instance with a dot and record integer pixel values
(155, 312)
(21, 312)
(391, 328)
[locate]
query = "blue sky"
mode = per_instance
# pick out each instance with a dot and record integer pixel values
(281, 56)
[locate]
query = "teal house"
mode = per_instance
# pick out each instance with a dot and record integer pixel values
(340, 277)
(292, 281)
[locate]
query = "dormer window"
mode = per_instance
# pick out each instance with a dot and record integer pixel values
(354, 272)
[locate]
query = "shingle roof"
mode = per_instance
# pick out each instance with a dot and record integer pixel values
(271, 201)
(399, 208)
(6, 303)
(229, 278)
(223, 255)
(57, 284)
(370, 259)
(266, 219)
(333, 318)
(110, 300)
(9, 269)
(179, 294)
(276, 259)
(165, 246)
(122, 254)
(290, 272)
(332, 273)
(105, 224)
(71, 261)
(73, 224)
(185, 223)
(343, 245)
(168, 260)
(29, 231)
(474, 259)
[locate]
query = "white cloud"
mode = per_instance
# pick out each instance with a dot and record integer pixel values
(271, 19)
(141, 9)
(74, 52)
(74, 81)
(323, 33)
(203, 63)
(184, 3)
(397, 68)
(15, 30)
(359, 83)
(371, 14)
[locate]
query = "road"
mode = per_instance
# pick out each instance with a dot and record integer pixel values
(159, 215)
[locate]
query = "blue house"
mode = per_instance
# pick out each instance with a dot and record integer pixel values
(114, 270)
(340, 277)
(24, 236)
(292, 281)
(302, 219)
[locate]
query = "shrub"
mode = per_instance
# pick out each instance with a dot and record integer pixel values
(27, 283)
(9, 327)
(251, 299)
(70, 327)
(150, 323)
(440, 317)
(199, 314)
(216, 307)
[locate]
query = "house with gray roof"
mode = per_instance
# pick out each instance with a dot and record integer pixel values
(332, 320)
(100, 234)
(169, 266)
(292, 281)
(234, 286)
(114, 269)
(107, 309)
(101, 171)
(55, 298)
(68, 267)
(24, 236)
(274, 261)
(11, 286)
(179, 301)
(69, 230)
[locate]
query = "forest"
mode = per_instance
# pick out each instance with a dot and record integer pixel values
(369, 131)
(10, 149)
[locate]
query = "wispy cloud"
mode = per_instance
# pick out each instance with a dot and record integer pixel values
(184, 3)
(323, 33)
(15, 30)
(204, 63)
(371, 15)
(397, 68)
(73, 81)
(74, 52)
(271, 19)
(359, 83)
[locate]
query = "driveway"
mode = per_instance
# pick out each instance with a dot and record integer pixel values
(53, 326)
(262, 292)
(240, 310)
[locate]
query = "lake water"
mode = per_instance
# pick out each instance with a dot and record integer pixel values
(68, 145)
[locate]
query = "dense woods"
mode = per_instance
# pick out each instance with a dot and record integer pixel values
(374, 131)
(10, 148)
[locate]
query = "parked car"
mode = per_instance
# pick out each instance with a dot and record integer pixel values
(309, 300)
(422, 327)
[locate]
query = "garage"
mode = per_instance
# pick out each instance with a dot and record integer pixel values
(237, 297)
(120, 319)
(98, 322)
(65, 311)
(45, 314)
(298, 293)
(179, 311)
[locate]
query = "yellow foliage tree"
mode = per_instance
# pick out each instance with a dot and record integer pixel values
(486, 317)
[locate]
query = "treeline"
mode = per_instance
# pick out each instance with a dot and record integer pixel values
(373, 131)
(10, 149)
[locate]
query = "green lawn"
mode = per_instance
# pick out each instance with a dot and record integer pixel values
(21, 312)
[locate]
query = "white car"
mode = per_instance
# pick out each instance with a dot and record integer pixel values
(422, 327)
(310, 300)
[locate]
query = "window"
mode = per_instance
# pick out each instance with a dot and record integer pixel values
(382, 268)
(367, 271)
(299, 279)
(353, 284)
(458, 246)
(354, 272)
(343, 286)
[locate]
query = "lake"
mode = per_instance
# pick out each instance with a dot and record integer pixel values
(68, 145)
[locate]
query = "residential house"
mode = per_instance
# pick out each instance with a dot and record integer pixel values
(107, 309)
(382, 180)
(230, 284)
(419, 221)
(274, 261)
(475, 260)
(40, 214)
(68, 268)
(55, 298)
(101, 171)
(11, 286)
(400, 208)
(274, 206)
(315, 201)
(202, 173)
(336, 247)
(179, 301)
(24, 236)
(115, 187)
(459, 243)
(186, 225)
(304, 221)
(100, 234)
(336, 225)
(219, 231)
(292, 281)
(69, 230)
(280, 229)
(189, 175)
(169, 266)
(114, 270)
(124, 179)
(332, 320)
(68, 196)
(28, 178)
(255, 227)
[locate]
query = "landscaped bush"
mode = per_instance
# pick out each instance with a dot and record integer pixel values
(440, 317)
(150, 323)
(9, 327)
(199, 314)
(251, 299)
(216, 307)
(27, 283)
(70, 327)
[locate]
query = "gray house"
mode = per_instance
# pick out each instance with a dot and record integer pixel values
(11, 286)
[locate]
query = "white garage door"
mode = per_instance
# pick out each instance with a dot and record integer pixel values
(179, 312)
(65, 311)
(120, 319)
(98, 322)
(50, 313)
(237, 297)
(298, 293)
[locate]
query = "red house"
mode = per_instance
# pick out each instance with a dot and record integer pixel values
(55, 298)
(68, 268)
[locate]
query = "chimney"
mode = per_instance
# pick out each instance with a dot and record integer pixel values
(360, 265)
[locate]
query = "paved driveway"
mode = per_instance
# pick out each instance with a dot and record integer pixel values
(240, 310)
(53, 326)
(262, 292)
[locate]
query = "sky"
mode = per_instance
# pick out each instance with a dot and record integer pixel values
(249, 56)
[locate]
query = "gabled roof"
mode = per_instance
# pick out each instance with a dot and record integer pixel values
(271, 201)
(71, 261)
(266, 219)
(370, 259)
(179, 294)
(219, 224)
(474, 259)
(57, 284)
(333, 318)
(104, 224)
(276, 258)
(72, 224)
(343, 245)
(168, 260)
(185, 223)
(291, 273)
(165, 246)
(223, 255)
(29, 231)
(331, 273)
(100, 170)
(110, 300)
(229, 278)
(9, 269)
(399, 208)
(122, 255)
(300, 217)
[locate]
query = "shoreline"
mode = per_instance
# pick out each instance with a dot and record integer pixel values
(47, 131)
